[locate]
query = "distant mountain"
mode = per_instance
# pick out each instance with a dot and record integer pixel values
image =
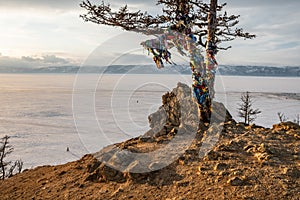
(259, 71)
(151, 69)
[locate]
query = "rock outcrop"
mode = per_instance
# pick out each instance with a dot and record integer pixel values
(180, 157)
(174, 128)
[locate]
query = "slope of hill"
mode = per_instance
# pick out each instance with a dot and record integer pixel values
(221, 160)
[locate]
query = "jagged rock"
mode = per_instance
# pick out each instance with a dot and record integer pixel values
(177, 118)
(176, 122)
(169, 116)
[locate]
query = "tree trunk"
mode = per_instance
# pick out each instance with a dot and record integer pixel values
(212, 24)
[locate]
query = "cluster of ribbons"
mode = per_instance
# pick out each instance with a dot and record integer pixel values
(203, 69)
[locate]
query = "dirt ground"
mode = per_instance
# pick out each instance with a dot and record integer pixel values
(247, 163)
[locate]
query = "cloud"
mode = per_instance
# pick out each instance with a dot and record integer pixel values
(133, 59)
(56, 4)
(73, 4)
(54, 59)
(70, 4)
(34, 61)
(46, 59)
(136, 3)
(275, 22)
(260, 3)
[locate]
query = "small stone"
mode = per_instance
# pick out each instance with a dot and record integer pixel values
(212, 155)
(147, 139)
(262, 156)
(183, 184)
(221, 166)
(263, 148)
(223, 173)
(182, 162)
(237, 173)
(249, 148)
(62, 173)
(191, 151)
(292, 172)
(112, 174)
(236, 181)
(201, 168)
(92, 167)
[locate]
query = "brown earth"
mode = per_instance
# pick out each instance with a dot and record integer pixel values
(224, 160)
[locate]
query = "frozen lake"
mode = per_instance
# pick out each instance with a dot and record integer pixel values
(46, 113)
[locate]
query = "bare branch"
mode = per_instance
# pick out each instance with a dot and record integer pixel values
(195, 11)
(6, 167)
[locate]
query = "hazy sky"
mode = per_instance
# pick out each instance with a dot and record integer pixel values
(45, 32)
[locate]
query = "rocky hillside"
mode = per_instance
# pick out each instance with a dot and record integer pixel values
(180, 157)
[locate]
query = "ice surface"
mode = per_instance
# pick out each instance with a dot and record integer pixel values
(37, 110)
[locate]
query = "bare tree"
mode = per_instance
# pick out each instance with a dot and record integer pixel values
(282, 117)
(208, 25)
(245, 109)
(194, 20)
(7, 168)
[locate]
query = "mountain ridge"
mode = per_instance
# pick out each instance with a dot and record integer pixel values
(226, 70)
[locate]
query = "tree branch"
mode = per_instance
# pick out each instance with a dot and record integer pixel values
(195, 10)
